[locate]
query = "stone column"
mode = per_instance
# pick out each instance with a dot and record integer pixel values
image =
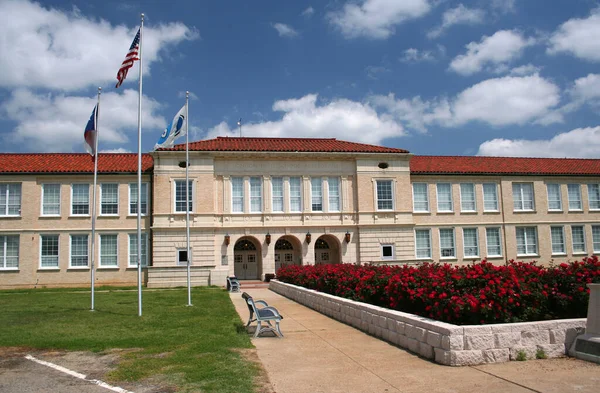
(593, 315)
(587, 346)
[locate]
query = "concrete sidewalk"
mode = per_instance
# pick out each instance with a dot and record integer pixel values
(319, 354)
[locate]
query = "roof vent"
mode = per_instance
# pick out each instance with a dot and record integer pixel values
(383, 165)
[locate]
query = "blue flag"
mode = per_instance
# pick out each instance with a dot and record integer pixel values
(173, 131)
(91, 133)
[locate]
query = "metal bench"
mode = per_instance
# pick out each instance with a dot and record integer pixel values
(265, 313)
(233, 285)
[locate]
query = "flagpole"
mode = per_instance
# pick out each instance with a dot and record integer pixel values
(93, 265)
(187, 195)
(139, 196)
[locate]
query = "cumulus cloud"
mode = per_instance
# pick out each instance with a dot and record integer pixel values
(578, 37)
(503, 6)
(586, 88)
(493, 51)
(54, 122)
(527, 69)
(304, 117)
(119, 150)
(39, 49)
(578, 143)
(308, 12)
(285, 30)
(376, 19)
(412, 55)
(459, 15)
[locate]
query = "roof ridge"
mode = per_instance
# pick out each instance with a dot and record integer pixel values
(504, 157)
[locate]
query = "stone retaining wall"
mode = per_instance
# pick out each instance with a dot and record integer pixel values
(442, 342)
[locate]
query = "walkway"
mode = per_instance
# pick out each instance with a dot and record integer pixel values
(319, 354)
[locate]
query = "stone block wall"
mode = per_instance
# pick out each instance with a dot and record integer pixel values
(442, 342)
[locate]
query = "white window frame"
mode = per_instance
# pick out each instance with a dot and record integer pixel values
(596, 239)
(315, 181)
(192, 197)
(453, 243)
(88, 202)
(102, 202)
(44, 202)
(521, 200)
(437, 193)
(129, 255)
(100, 264)
(581, 252)
(462, 200)
(559, 209)
(430, 248)
(476, 255)
(495, 185)
(233, 196)
(4, 209)
(130, 200)
(57, 267)
(526, 242)
(596, 195)
(487, 243)
(386, 245)
(579, 201)
(71, 266)
(426, 210)
(4, 249)
(177, 251)
(254, 197)
(563, 244)
(393, 200)
(290, 181)
(280, 198)
(338, 197)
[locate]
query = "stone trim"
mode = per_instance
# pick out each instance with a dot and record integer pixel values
(442, 342)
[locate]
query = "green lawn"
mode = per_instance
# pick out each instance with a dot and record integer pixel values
(199, 345)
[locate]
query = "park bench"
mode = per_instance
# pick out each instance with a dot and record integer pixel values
(233, 285)
(265, 313)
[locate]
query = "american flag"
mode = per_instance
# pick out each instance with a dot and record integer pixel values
(131, 56)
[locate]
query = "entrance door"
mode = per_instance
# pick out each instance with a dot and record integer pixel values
(321, 257)
(245, 266)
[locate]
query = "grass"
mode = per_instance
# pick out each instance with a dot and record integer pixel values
(199, 346)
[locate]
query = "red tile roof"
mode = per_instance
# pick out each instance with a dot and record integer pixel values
(305, 145)
(72, 163)
(429, 165)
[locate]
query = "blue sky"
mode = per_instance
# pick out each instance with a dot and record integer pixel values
(490, 77)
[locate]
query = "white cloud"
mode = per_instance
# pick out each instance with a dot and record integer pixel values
(503, 6)
(527, 69)
(415, 113)
(586, 88)
(49, 122)
(193, 96)
(303, 117)
(308, 12)
(412, 55)
(119, 150)
(494, 51)
(285, 30)
(578, 37)
(579, 143)
(376, 18)
(460, 15)
(374, 72)
(66, 51)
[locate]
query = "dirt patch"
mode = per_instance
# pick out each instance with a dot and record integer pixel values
(262, 382)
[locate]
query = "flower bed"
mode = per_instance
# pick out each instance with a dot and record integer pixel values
(480, 293)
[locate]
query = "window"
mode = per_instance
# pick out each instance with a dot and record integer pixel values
(334, 194)
(316, 186)
(182, 256)
(420, 197)
(447, 249)
(594, 196)
(108, 251)
(295, 194)
(423, 243)
(490, 197)
(444, 195)
(494, 248)
(9, 252)
(79, 250)
(387, 251)
(133, 249)
(180, 196)
(255, 194)
(470, 242)
(49, 251)
(50, 199)
(277, 185)
(526, 241)
(578, 237)
(237, 194)
(554, 198)
(10, 199)
(523, 196)
(574, 192)
(596, 238)
(109, 199)
(80, 199)
(385, 196)
(557, 237)
(133, 194)
(467, 197)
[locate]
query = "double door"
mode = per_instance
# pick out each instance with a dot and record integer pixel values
(246, 265)
(283, 259)
(322, 257)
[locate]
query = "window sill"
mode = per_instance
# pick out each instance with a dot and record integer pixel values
(524, 211)
(494, 257)
(78, 268)
(559, 254)
(445, 212)
(580, 253)
(49, 269)
(10, 216)
(421, 212)
(594, 210)
(109, 216)
(528, 255)
(144, 215)
(9, 269)
(471, 257)
(79, 216)
(107, 268)
(555, 211)
(135, 267)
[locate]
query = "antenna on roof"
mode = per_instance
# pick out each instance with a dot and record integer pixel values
(240, 125)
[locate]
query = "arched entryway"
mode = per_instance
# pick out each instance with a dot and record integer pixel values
(327, 250)
(287, 252)
(246, 259)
